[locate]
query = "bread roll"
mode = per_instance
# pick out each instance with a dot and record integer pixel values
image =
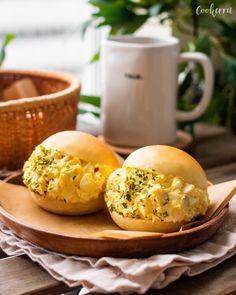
(85, 147)
(183, 184)
(169, 161)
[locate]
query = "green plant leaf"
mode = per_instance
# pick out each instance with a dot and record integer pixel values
(95, 57)
(85, 27)
(94, 100)
(112, 13)
(227, 30)
(2, 55)
(90, 104)
(131, 27)
(101, 2)
(229, 71)
(203, 44)
(83, 111)
(7, 39)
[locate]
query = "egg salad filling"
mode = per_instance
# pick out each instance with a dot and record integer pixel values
(54, 174)
(149, 195)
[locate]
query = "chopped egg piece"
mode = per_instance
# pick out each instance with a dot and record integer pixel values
(150, 195)
(56, 175)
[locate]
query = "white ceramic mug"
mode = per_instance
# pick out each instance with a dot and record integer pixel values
(139, 89)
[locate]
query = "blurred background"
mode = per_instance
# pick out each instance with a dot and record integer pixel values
(48, 37)
(65, 35)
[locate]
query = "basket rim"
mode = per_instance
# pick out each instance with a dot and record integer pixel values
(74, 85)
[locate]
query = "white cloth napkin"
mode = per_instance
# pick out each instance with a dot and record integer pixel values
(129, 275)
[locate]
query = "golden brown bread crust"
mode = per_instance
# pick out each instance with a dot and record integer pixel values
(145, 225)
(169, 161)
(84, 146)
(60, 207)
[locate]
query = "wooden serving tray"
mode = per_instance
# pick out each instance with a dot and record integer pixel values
(75, 235)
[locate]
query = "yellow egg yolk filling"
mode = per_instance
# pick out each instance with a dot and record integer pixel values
(149, 195)
(54, 174)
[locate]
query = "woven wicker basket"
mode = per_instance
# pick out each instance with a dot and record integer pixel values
(24, 123)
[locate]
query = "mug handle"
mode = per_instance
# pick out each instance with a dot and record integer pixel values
(203, 59)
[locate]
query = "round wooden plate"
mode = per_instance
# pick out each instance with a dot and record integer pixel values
(72, 235)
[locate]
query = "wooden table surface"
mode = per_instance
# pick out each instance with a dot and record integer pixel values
(215, 149)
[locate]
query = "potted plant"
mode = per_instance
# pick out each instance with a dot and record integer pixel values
(208, 27)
